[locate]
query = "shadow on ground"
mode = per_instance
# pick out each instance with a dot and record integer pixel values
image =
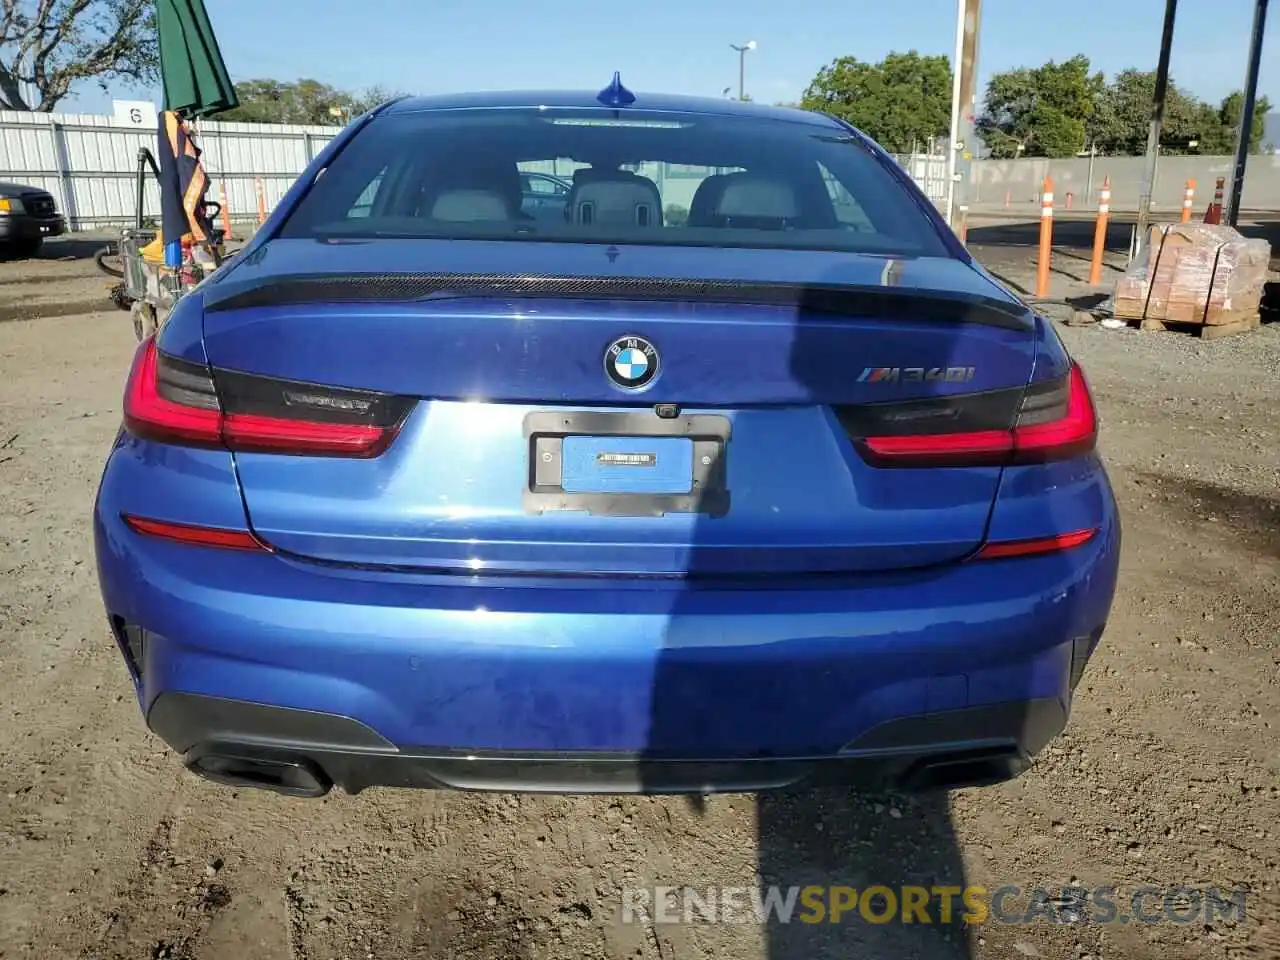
(1069, 236)
(1253, 518)
(69, 248)
(755, 688)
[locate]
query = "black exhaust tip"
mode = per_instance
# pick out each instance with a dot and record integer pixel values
(291, 776)
(979, 768)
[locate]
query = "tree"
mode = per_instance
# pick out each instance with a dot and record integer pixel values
(300, 101)
(1041, 111)
(374, 96)
(900, 101)
(48, 45)
(1221, 137)
(1120, 123)
(1123, 115)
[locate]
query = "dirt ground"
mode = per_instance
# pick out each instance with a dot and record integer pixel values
(1169, 772)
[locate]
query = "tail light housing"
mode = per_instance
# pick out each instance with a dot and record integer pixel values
(1055, 420)
(175, 401)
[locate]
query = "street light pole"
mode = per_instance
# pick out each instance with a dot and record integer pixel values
(742, 66)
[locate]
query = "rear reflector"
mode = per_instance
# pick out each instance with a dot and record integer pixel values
(174, 401)
(1055, 421)
(195, 535)
(1038, 545)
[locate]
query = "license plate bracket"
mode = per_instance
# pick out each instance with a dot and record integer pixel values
(688, 475)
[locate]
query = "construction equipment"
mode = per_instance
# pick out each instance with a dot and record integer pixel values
(148, 286)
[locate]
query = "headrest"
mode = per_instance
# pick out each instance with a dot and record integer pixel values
(479, 174)
(746, 195)
(461, 206)
(702, 207)
(614, 197)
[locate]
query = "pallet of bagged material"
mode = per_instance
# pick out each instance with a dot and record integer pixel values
(1195, 274)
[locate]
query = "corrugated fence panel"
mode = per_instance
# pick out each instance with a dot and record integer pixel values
(89, 162)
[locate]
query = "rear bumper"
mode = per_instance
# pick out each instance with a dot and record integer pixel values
(255, 658)
(587, 684)
(304, 753)
(25, 227)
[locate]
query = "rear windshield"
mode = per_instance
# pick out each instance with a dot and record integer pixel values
(592, 176)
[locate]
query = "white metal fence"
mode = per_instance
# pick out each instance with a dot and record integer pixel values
(929, 171)
(89, 162)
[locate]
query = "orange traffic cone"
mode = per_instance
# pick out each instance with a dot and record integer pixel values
(262, 200)
(1214, 213)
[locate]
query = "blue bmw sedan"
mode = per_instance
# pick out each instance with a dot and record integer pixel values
(738, 475)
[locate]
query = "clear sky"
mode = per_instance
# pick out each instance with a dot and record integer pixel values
(682, 46)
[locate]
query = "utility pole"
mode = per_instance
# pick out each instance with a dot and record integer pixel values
(1232, 212)
(1153, 132)
(963, 83)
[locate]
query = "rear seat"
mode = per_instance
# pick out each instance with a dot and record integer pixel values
(745, 200)
(613, 198)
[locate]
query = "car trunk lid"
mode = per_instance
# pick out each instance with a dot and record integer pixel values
(764, 359)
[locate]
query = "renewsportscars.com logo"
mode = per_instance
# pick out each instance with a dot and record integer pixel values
(971, 905)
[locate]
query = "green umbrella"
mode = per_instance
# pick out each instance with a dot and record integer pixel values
(196, 82)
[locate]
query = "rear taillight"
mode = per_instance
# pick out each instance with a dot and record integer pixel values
(174, 401)
(1054, 421)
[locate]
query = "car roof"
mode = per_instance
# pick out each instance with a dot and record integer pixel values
(581, 99)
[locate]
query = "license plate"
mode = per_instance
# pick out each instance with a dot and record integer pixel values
(642, 465)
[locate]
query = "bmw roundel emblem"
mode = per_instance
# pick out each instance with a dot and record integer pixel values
(631, 362)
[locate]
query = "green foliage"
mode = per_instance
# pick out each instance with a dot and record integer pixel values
(1124, 115)
(1059, 110)
(900, 102)
(301, 101)
(1041, 111)
(674, 215)
(1222, 138)
(47, 46)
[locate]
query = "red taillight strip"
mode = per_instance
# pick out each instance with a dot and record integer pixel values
(1036, 545)
(251, 433)
(1075, 434)
(942, 449)
(195, 535)
(148, 414)
(151, 416)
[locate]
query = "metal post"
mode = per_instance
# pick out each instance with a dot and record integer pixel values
(66, 179)
(966, 127)
(953, 133)
(1157, 121)
(140, 198)
(1232, 212)
(1088, 190)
